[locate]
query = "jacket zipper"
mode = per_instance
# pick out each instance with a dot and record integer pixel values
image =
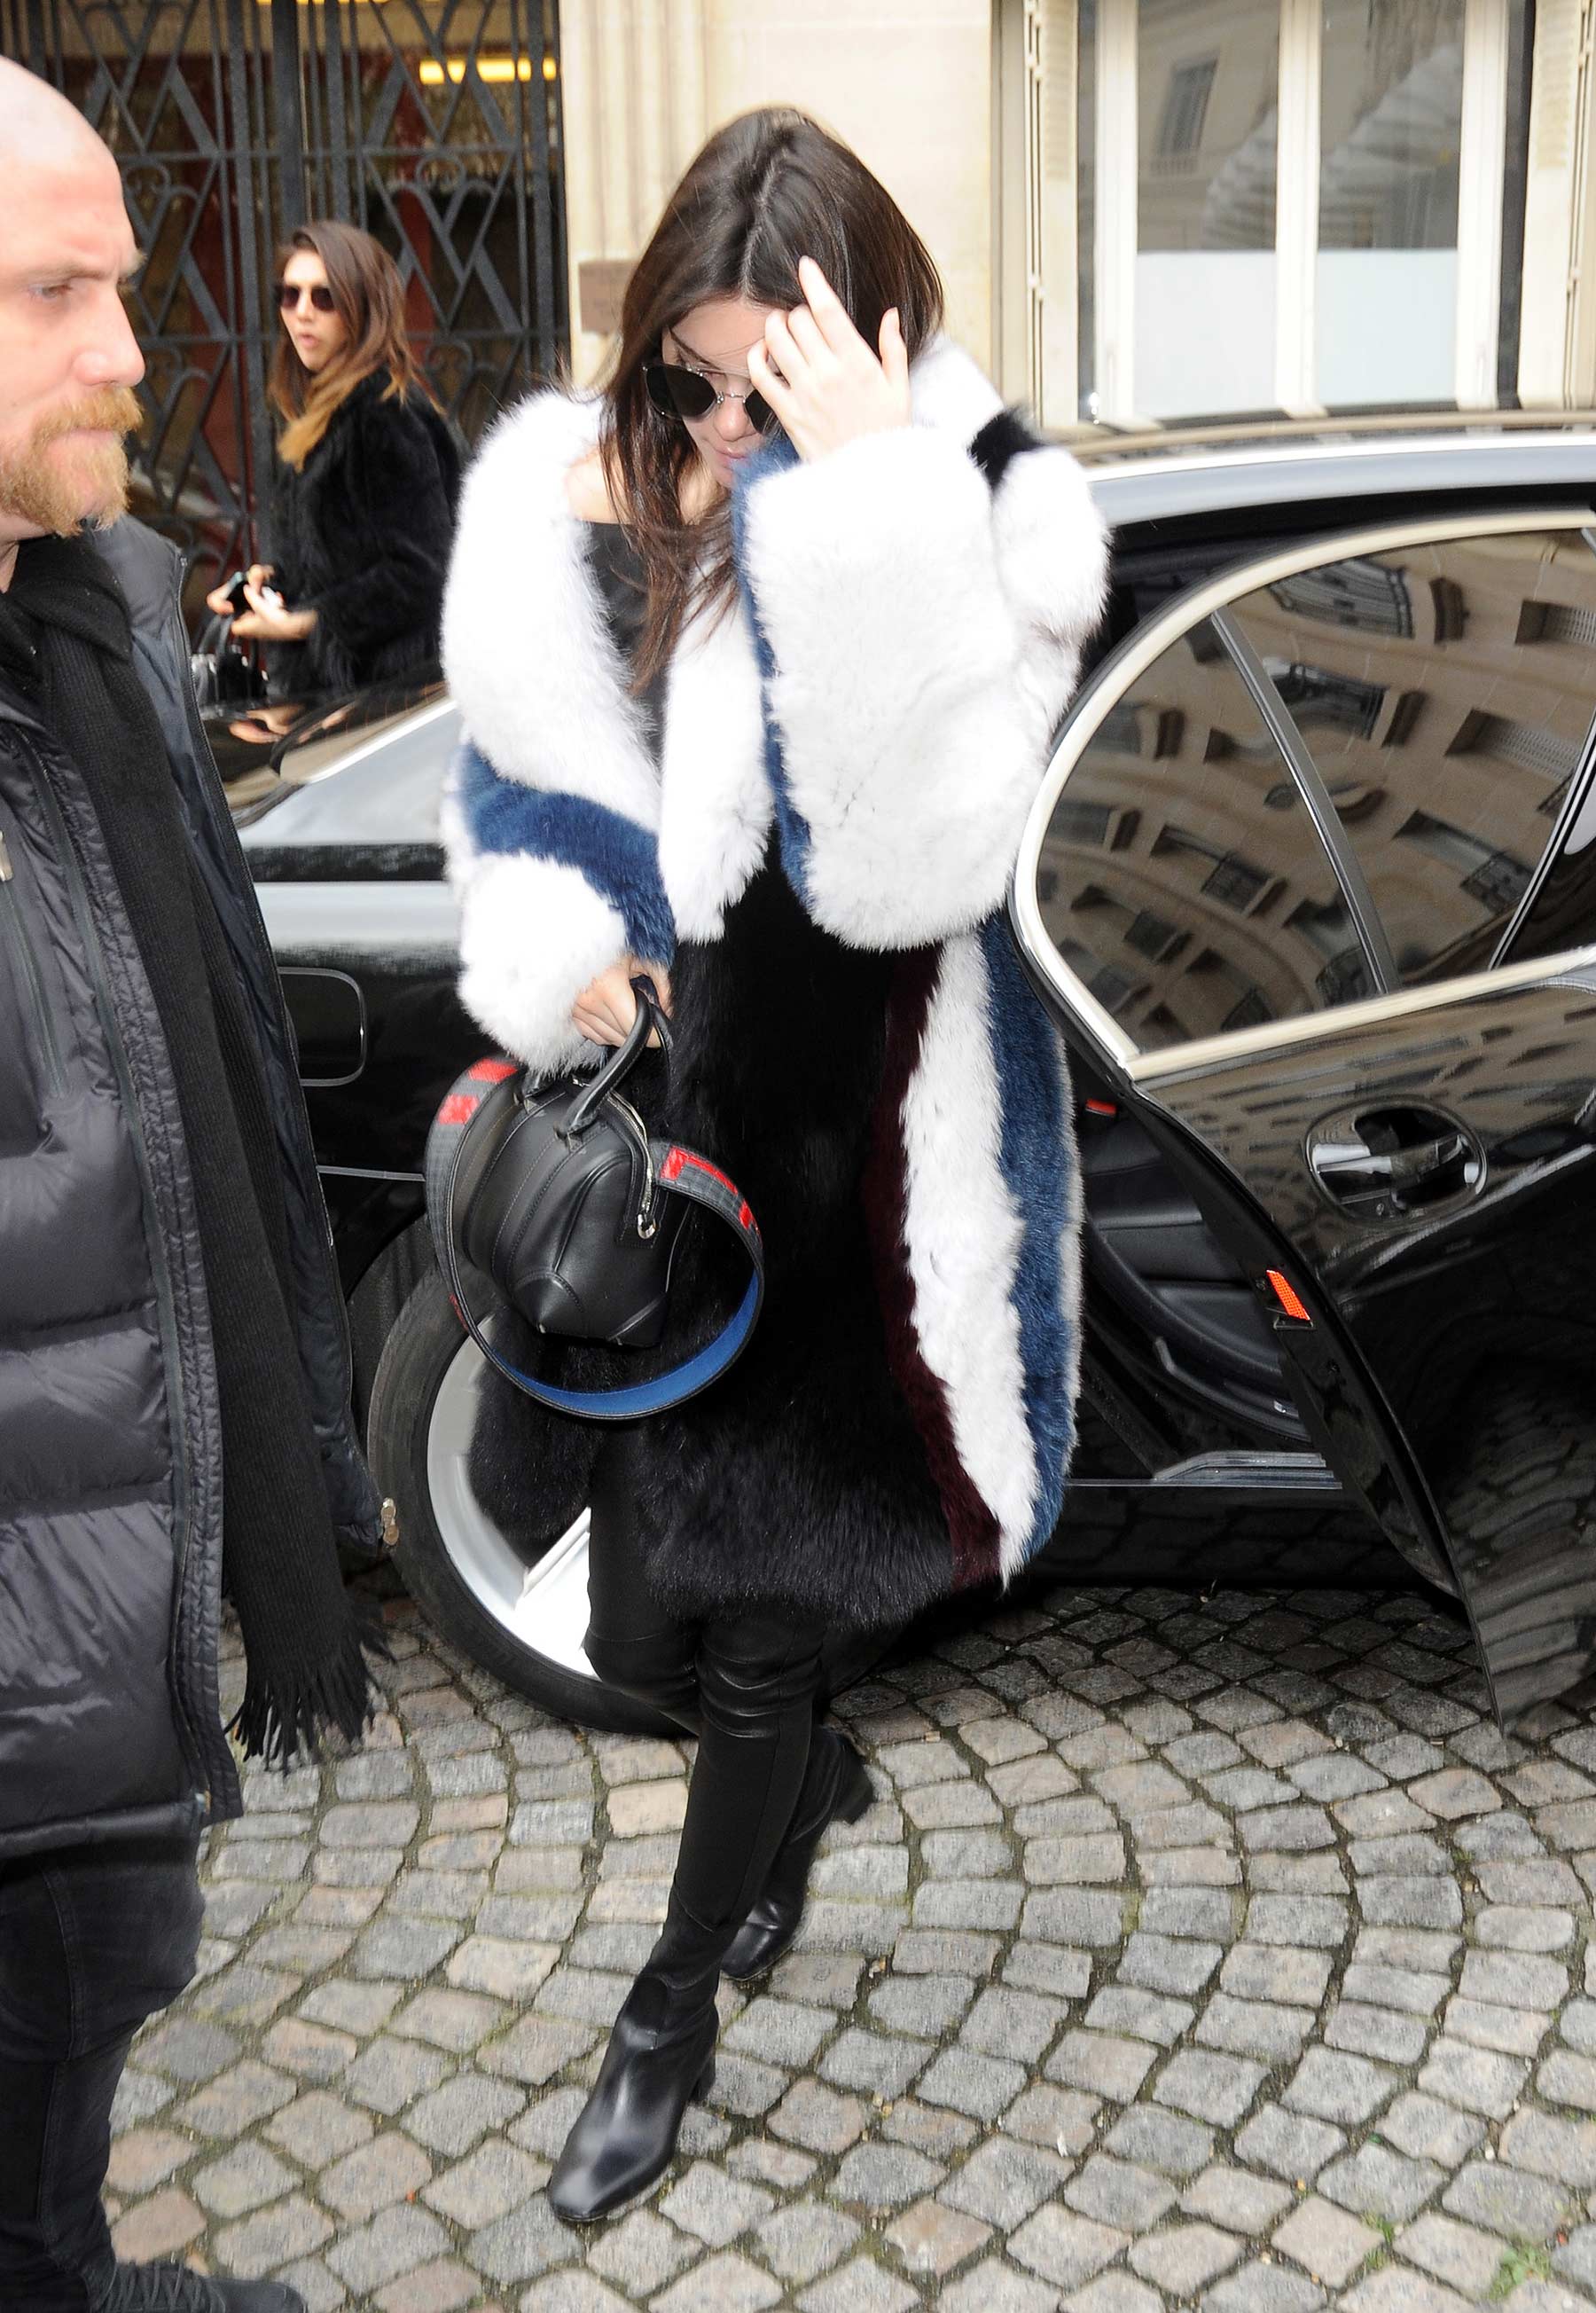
(13, 935)
(160, 1269)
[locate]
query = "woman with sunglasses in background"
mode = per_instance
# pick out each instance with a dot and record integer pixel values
(760, 650)
(367, 482)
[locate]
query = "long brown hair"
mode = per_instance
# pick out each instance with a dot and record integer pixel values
(769, 188)
(369, 298)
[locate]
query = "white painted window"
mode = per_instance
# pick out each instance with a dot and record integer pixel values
(1279, 205)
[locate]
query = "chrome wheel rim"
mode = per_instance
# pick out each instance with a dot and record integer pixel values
(541, 1607)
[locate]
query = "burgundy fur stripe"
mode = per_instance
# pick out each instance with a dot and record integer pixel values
(972, 1527)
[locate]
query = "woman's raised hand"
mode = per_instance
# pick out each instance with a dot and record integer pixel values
(820, 377)
(607, 1006)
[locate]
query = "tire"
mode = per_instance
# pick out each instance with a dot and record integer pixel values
(525, 1622)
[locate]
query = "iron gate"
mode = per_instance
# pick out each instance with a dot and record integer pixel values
(432, 123)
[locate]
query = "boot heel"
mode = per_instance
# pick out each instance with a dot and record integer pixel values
(859, 1798)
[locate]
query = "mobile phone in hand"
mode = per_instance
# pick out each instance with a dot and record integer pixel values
(236, 604)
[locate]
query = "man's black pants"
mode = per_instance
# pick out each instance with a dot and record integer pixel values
(92, 1941)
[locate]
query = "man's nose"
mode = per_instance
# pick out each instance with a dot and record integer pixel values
(111, 355)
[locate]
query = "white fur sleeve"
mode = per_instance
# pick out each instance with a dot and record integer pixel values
(533, 934)
(925, 635)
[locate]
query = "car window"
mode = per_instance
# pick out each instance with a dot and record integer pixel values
(1179, 877)
(1445, 693)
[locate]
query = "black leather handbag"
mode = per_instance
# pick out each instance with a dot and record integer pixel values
(221, 673)
(553, 1191)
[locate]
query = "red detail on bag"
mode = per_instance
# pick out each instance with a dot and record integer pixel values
(491, 1071)
(460, 1108)
(679, 1157)
(745, 1215)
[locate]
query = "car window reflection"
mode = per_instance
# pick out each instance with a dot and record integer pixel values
(1446, 693)
(1178, 879)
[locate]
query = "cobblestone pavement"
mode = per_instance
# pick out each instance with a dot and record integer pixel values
(1219, 1956)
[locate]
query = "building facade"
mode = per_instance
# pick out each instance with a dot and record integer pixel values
(1152, 211)
(434, 124)
(1145, 211)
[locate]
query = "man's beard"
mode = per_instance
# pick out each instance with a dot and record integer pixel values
(58, 496)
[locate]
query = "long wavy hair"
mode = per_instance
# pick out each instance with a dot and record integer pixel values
(769, 188)
(369, 298)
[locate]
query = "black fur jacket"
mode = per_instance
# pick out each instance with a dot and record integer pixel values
(361, 534)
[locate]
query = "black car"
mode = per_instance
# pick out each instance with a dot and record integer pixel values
(1311, 889)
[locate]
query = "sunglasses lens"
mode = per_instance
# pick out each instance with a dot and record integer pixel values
(761, 415)
(289, 293)
(680, 392)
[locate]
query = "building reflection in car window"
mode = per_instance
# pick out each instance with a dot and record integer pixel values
(1446, 693)
(1171, 879)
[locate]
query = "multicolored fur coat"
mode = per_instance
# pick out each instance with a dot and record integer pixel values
(821, 852)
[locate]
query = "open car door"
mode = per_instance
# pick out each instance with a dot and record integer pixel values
(1311, 884)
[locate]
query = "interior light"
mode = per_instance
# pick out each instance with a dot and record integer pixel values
(432, 74)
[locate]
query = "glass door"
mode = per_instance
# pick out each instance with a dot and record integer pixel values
(1296, 206)
(1208, 131)
(1391, 142)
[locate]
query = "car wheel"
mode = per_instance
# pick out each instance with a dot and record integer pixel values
(524, 1620)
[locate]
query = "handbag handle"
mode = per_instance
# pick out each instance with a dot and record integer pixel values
(651, 1021)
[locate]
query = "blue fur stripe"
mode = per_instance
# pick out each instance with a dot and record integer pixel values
(792, 830)
(1033, 1151)
(619, 858)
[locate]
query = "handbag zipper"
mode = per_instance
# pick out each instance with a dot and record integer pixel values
(14, 933)
(647, 1220)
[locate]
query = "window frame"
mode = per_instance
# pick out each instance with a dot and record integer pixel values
(1140, 650)
(1482, 176)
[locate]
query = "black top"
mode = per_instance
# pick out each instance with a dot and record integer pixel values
(617, 567)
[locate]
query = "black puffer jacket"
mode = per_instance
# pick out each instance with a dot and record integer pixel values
(111, 1474)
(360, 535)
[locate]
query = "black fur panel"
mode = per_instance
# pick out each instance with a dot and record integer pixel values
(799, 1482)
(1003, 439)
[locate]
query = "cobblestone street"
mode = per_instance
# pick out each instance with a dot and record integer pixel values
(1217, 1954)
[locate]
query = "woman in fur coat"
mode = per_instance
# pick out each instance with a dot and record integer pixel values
(759, 651)
(366, 483)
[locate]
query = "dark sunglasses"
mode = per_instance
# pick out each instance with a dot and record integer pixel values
(679, 393)
(289, 293)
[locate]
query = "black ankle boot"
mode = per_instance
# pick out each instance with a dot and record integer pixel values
(836, 1789)
(661, 2056)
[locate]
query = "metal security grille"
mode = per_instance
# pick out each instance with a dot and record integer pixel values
(434, 124)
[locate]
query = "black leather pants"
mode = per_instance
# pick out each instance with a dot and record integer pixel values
(747, 1688)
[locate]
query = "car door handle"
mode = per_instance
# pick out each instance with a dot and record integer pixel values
(1390, 1161)
(1352, 1165)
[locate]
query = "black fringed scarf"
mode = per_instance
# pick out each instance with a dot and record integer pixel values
(302, 1637)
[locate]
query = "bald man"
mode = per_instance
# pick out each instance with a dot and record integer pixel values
(172, 1365)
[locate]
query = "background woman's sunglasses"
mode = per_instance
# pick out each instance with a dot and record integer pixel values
(290, 292)
(682, 392)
